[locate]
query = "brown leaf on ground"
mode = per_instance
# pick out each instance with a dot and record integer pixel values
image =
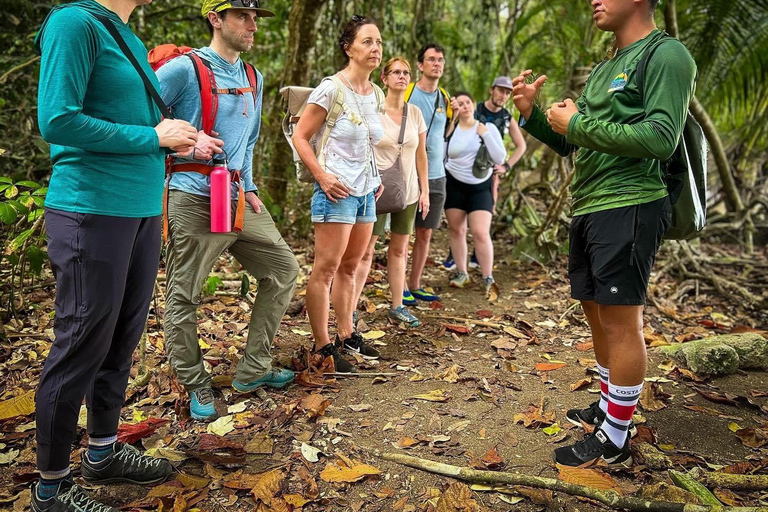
(437, 395)
(268, 485)
(727, 497)
(192, 481)
(493, 293)
(756, 393)
(534, 417)
(449, 374)
(213, 443)
(314, 405)
(436, 305)
(347, 471)
(747, 467)
(753, 437)
(713, 396)
(662, 491)
(129, 433)
(584, 347)
(21, 405)
(652, 396)
(484, 313)
(260, 444)
(504, 346)
(406, 442)
(492, 459)
(458, 329)
(548, 367)
(241, 481)
(590, 477)
(542, 497)
(457, 498)
(511, 440)
(580, 384)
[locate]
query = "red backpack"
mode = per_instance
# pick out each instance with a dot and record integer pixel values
(209, 100)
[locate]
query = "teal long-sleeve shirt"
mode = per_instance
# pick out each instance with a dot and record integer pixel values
(621, 137)
(94, 111)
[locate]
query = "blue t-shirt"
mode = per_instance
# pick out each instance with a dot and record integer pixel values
(436, 134)
(237, 122)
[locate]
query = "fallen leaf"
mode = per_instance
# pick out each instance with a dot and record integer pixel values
(514, 332)
(406, 442)
(8, 457)
(651, 397)
(192, 481)
(504, 346)
(492, 459)
(437, 395)
(373, 335)
(579, 384)
(457, 498)
(552, 429)
(129, 433)
(733, 427)
(534, 417)
(301, 332)
(484, 313)
(450, 374)
(314, 405)
(167, 453)
(589, 477)
(295, 500)
(459, 426)
(259, 444)
(361, 407)
(493, 292)
(459, 329)
(310, 452)
(753, 437)
(222, 426)
(268, 485)
(547, 323)
(547, 367)
(346, 473)
(584, 347)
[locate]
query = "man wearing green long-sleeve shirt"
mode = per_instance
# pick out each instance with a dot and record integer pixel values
(621, 131)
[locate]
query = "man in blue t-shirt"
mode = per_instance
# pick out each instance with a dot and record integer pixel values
(193, 248)
(436, 107)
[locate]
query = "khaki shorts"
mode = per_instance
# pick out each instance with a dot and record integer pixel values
(401, 223)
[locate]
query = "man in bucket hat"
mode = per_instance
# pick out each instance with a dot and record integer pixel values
(192, 248)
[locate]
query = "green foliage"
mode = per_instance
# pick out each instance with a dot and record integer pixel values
(212, 283)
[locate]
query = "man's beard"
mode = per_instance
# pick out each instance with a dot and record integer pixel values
(235, 42)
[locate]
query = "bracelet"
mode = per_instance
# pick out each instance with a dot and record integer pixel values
(507, 166)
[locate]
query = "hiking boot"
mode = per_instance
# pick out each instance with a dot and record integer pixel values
(594, 447)
(473, 263)
(449, 263)
(459, 280)
(401, 314)
(408, 298)
(341, 364)
(201, 404)
(593, 415)
(274, 378)
(70, 497)
(355, 344)
(125, 464)
(424, 295)
(488, 281)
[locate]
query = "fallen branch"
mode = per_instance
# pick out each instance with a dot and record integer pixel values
(360, 374)
(608, 497)
(730, 481)
(687, 482)
(468, 320)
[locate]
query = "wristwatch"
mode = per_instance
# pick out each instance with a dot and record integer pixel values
(507, 166)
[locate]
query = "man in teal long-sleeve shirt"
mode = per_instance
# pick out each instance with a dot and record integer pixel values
(621, 131)
(102, 217)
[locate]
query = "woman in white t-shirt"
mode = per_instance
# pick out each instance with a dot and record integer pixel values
(413, 157)
(343, 203)
(469, 189)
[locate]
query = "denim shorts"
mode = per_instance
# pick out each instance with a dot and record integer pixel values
(350, 210)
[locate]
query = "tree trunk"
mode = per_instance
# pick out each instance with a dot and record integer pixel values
(302, 26)
(732, 196)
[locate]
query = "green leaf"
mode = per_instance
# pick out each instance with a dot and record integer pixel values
(36, 258)
(7, 213)
(19, 206)
(245, 285)
(39, 201)
(3, 179)
(19, 240)
(35, 214)
(11, 192)
(211, 284)
(29, 184)
(40, 191)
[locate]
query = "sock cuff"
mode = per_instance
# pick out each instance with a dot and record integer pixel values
(55, 475)
(604, 372)
(626, 391)
(102, 441)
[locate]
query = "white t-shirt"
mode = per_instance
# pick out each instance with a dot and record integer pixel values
(462, 149)
(348, 153)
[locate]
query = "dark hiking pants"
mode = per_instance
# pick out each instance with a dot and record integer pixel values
(105, 270)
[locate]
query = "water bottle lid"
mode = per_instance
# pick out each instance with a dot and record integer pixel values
(220, 162)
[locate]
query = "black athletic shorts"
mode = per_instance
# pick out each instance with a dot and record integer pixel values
(468, 197)
(612, 252)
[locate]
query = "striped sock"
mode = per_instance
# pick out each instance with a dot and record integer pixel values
(50, 481)
(621, 405)
(604, 372)
(99, 448)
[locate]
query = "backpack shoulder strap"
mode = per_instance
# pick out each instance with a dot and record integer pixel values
(209, 102)
(338, 103)
(379, 97)
(448, 109)
(253, 81)
(409, 91)
(643, 62)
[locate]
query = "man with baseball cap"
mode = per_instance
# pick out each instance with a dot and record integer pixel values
(192, 248)
(493, 111)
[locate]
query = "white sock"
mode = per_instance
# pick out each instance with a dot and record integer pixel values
(604, 378)
(622, 401)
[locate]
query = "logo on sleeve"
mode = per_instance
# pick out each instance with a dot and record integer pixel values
(619, 83)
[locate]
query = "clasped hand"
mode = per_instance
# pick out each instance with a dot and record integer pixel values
(560, 114)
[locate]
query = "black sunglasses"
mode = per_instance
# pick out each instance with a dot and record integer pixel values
(245, 4)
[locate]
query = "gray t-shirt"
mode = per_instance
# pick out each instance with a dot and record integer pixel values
(348, 152)
(435, 138)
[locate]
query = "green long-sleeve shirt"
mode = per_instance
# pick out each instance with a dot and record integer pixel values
(620, 137)
(95, 112)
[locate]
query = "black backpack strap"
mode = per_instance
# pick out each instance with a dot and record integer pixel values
(164, 110)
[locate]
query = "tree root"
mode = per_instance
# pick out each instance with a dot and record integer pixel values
(608, 497)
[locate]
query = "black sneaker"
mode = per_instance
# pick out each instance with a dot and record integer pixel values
(355, 344)
(69, 498)
(341, 364)
(125, 464)
(593, 415)
(594, 447)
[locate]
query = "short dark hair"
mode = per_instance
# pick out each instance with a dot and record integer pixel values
(429, 46)
(350, 32)
(221, 14)
(463, 93)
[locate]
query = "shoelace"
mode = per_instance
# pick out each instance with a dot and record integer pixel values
(205, 396)
(77, 498)
(131, 455)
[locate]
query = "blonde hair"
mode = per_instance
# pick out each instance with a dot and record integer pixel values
(388, 66)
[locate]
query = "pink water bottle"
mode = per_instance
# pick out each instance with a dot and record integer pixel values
(221, 199)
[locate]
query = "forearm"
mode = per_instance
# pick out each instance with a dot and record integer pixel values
(647, 139)
(422, 171)
(538, 126)
(78, 130)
